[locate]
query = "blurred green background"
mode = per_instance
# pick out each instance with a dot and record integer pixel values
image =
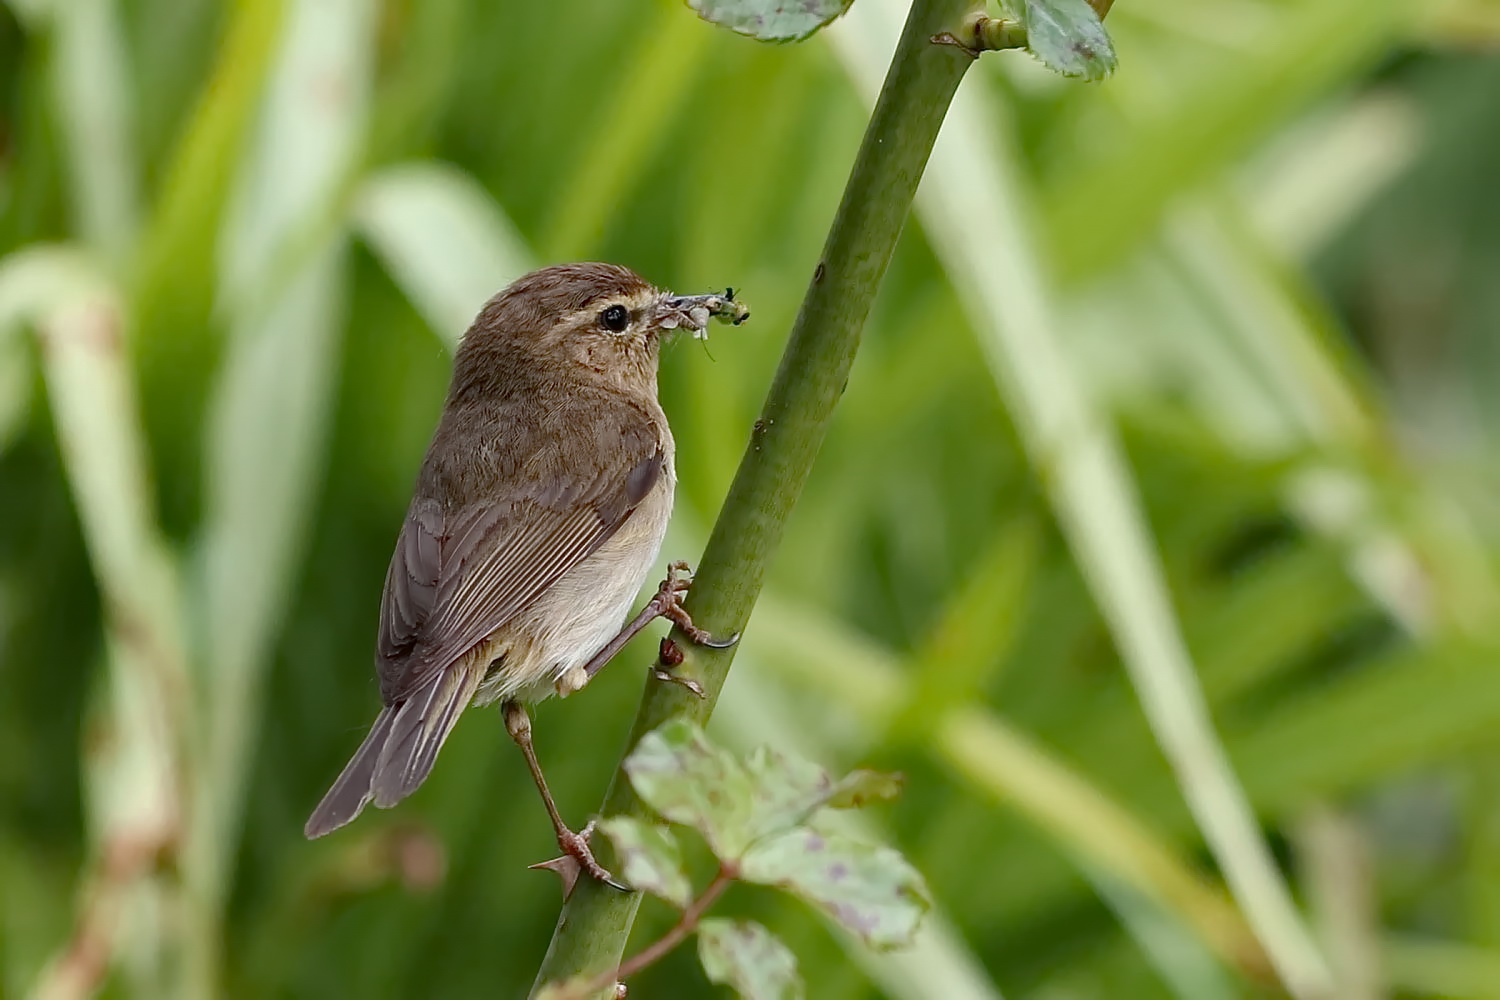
(1187, 383)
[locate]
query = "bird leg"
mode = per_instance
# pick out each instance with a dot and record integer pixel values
(666, 604)
(575, 846)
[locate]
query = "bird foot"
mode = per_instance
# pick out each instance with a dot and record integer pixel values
(668, 604)
(577, 857)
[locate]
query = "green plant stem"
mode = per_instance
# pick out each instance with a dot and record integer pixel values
(596, 920)
(659, 948)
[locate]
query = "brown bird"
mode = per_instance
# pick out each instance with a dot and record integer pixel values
(538, 514)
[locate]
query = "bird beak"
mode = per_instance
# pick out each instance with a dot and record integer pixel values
(692, 312)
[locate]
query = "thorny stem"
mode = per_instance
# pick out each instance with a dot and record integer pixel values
(596, 920)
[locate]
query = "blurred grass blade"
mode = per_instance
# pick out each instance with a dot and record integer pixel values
(42, 278)
(93, 88)
(1264, 367)
(308, 137)
(1340, 887)
(658, 84)
(32, 12)
(965, 648)
(1300, 370)
(443, 239)
(974, 210)
(266, 438)
(1414, 707)
(1117, 195)
(134, 762)
(1002, 762)
(176, 255)
(15, 386)
(268, 418)
(1266, 378)
(1428, 562)
(81, 318)
(1003, 765)
(1187, 968)
(1443, 970)
(1314, 182)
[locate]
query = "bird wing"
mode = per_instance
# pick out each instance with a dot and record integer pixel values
(462, 570)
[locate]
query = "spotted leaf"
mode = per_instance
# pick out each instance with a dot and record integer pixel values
(746, 957)
(872, 891)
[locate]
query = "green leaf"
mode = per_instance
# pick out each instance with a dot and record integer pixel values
(688, 780)
(649, 858)
(15, 388)
(1068, 37)
(858, 789)
(786, 790)
(771, 20)
(444, 240)
(872, 891)
(748, 958)
(752, 817)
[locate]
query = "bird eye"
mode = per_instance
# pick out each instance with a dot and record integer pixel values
(615, 318)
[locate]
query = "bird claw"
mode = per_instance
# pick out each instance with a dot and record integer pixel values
(668, 603)
(679, 579)
(576, 859)
(712, 643)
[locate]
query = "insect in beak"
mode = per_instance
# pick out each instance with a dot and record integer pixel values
(692, 312)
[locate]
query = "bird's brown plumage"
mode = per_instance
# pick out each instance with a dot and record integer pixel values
(538, 512)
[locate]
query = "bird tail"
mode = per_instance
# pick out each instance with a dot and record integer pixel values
(399, 752)
(351, 791)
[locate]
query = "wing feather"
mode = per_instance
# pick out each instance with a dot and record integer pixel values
(461, 570)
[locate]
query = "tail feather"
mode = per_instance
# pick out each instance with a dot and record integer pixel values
(420, 726)
(437, 729)
(399, 753)
(351, 791)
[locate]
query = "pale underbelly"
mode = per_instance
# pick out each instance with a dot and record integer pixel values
(582, 611)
